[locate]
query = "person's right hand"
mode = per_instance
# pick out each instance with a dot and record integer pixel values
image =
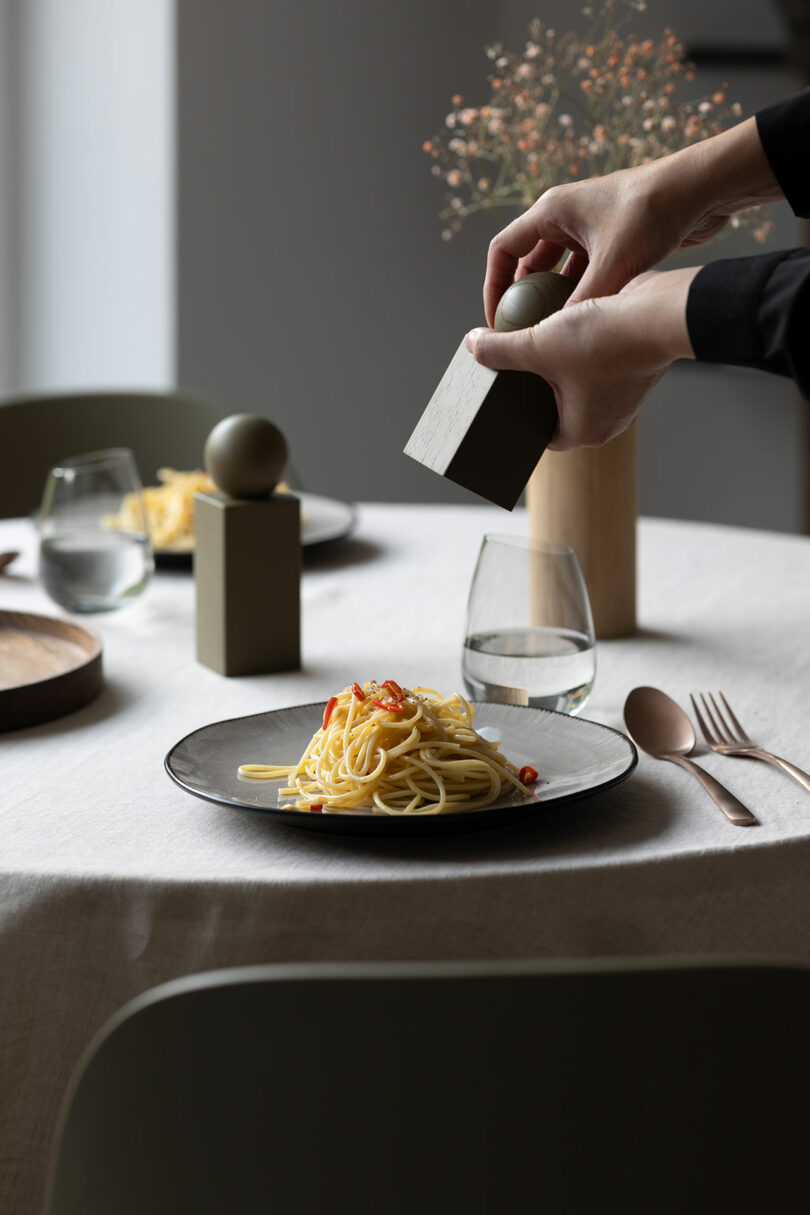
(618, 226)
(601, 356)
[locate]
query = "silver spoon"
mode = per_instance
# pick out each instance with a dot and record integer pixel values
(661, 728)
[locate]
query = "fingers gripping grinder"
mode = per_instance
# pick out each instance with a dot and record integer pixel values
(486, 430)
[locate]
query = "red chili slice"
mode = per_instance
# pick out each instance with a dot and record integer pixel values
(330, 705)
(394, 688)
(388, 706)
(527, 775)
(358, 691)
(317, 806)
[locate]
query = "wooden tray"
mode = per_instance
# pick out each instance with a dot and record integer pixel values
(48, 667)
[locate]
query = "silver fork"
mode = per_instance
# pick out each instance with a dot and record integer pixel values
(726, 736)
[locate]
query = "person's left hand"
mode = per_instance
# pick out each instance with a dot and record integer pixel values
(601, 356)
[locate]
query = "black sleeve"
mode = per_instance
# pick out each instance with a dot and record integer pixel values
(784, 130)
(754, 312)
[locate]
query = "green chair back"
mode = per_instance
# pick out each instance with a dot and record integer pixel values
(162, 429)
(641, 1086)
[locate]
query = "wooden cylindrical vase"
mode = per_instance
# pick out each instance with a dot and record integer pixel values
(588, 498)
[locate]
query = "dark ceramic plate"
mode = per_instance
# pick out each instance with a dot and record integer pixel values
(575, 758)
(322, 521)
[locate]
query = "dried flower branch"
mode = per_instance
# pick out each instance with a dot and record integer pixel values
(571, 106)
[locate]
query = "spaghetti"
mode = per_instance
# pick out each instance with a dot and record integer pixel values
(169, 508)
(396, 751)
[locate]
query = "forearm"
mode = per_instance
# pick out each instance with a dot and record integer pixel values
(721, 175)
(761, 160)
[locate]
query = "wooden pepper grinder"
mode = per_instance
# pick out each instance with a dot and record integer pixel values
(587, 498)
(247, 558)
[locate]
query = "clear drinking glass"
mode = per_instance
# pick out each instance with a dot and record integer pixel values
(94, 549)
(529, 635)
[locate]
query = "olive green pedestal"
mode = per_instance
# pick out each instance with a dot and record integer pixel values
(247, 569)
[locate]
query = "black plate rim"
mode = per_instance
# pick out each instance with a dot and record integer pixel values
(384, 824)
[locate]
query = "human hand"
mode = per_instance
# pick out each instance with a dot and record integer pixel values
(600, 356)
(618, 226)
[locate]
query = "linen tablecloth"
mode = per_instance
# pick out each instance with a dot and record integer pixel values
(112, 879)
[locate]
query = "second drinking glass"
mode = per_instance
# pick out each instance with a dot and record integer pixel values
(529, 636)
(94, 551)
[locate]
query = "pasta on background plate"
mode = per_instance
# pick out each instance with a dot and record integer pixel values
(396, 751)
(169, 508)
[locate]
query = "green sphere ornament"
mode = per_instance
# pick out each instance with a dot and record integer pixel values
(531, 299)
(246, 455)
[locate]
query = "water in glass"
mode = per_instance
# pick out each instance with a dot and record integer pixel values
(554, 667)
(94, 572)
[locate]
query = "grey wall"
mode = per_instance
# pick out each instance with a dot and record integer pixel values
(312, 283)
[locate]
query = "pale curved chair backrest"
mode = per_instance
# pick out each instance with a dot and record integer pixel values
(162, 429)
(490, 1088)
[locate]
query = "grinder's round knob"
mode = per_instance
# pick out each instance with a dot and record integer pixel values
(531, 299)
(246, 455)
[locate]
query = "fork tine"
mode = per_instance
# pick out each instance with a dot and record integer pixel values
(724, 734)
(739, 728)
(707, 734)
(727, 732)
